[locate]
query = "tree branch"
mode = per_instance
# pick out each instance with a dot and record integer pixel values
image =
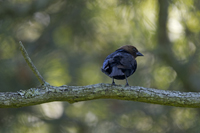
(31, 65)
(73, 94)
(48, 93)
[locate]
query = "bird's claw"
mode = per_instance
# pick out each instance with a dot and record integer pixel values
(126, 85)
(113, 83)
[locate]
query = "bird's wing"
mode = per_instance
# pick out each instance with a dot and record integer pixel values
(105, 64)
(107, 61)
(125, 61)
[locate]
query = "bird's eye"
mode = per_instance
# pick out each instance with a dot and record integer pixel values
(134, 50)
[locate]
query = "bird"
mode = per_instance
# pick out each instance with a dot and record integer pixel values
(121, 64)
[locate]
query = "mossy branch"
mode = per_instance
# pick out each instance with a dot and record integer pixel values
(74, 94)
(47, 93)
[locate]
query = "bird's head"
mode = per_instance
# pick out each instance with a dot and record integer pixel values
(132, 50)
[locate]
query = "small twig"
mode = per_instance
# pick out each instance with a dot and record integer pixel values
(31, 65)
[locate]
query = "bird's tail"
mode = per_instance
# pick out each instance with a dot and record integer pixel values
(116, 72)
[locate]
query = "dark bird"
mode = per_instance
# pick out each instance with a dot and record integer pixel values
(121, 64)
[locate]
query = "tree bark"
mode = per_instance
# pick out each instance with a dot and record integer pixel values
(74, 94)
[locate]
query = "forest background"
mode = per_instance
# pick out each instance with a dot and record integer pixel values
(68, 42)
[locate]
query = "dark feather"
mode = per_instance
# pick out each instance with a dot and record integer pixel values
(121, 63)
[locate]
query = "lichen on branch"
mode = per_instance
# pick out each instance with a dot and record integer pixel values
(74, 94)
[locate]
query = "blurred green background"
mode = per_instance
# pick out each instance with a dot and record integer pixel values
(68, 41)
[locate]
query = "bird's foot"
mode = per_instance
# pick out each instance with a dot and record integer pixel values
(113, 83)
(126, 85)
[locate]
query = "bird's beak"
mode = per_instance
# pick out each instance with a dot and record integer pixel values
(139, 54)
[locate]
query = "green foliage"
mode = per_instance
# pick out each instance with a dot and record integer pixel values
(68, 41)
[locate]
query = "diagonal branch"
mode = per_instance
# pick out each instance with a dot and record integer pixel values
(73, 94)
(31, 65)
